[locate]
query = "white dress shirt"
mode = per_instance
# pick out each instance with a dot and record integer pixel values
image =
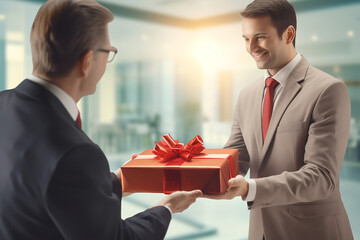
(281, 77)
(64, 98)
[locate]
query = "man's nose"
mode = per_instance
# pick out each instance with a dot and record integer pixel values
(252, 46)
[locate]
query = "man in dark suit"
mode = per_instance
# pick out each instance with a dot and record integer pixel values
(55, 182)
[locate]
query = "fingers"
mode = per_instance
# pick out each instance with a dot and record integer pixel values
(179, 201)
(236, 188)
(134, 155)
(190, 198)
(236, 179)
(118, 173)
(190, 194)
(216, 197)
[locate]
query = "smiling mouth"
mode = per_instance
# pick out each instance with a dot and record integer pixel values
(258, 56)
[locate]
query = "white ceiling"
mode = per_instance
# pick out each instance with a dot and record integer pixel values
(190, 9)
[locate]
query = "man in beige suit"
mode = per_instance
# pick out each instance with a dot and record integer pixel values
(295, 156)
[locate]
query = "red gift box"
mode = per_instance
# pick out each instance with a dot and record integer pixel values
(171, 166)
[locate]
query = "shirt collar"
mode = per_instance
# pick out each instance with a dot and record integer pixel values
(282, 75)
(64, 98)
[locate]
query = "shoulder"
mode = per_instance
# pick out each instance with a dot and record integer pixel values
(252, 88)
(58, 146)
(320, 81)
(4, 92)
(321, 76)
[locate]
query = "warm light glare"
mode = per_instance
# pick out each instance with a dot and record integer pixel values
(166, 46)
(314, 38)
(15, 53)
(2, 17)
(144, 37)
(350, 33)
(208, 54)
(15, 64)
(14, 37)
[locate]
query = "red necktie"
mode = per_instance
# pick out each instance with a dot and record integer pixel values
(78, 120)
(268, 104)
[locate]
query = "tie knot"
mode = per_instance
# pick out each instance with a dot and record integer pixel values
(78, 120)
(270, 82)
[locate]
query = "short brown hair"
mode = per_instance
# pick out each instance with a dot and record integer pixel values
(63, 31)
(281, 12)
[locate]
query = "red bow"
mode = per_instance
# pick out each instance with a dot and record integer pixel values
(170, 148)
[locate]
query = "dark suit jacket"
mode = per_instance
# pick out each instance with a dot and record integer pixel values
(55, 183)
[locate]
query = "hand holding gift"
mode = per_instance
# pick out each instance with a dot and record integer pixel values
(176, 202)
(118, 174)
(179, 201)
(238, 186)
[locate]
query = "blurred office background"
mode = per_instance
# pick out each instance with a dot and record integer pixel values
(179, 69)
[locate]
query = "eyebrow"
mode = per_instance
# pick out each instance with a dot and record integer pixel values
(257, 34)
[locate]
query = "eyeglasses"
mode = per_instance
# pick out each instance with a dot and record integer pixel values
(112, 52)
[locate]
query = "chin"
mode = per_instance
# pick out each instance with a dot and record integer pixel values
(92, 92)
(261, 66)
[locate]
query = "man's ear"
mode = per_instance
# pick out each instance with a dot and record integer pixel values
(85, 63)
(289, 34)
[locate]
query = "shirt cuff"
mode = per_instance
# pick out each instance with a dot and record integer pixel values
(252, 191)
(168, 209)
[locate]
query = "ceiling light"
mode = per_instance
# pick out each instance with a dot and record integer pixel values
(314, 38)
(350, 33)
(2, 17)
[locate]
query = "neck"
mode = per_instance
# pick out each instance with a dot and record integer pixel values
(69, 84)
(290, 56)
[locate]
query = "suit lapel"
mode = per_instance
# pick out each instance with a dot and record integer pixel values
(257, 114)
(291, 89)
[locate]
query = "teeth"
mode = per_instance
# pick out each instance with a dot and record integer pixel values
(257, 55)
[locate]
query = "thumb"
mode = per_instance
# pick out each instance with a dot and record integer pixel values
(196, 193)
(233, 182)
(235, 179)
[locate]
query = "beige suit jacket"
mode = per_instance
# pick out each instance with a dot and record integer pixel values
(297, 168)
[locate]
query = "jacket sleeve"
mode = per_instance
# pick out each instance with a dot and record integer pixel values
(82, 204)
(116, 185)
(323, 155)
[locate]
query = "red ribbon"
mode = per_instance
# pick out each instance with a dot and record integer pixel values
(175, 154)
(170, 148)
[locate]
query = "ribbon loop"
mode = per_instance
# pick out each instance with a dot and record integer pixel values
(170, 148)
(174, 144)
